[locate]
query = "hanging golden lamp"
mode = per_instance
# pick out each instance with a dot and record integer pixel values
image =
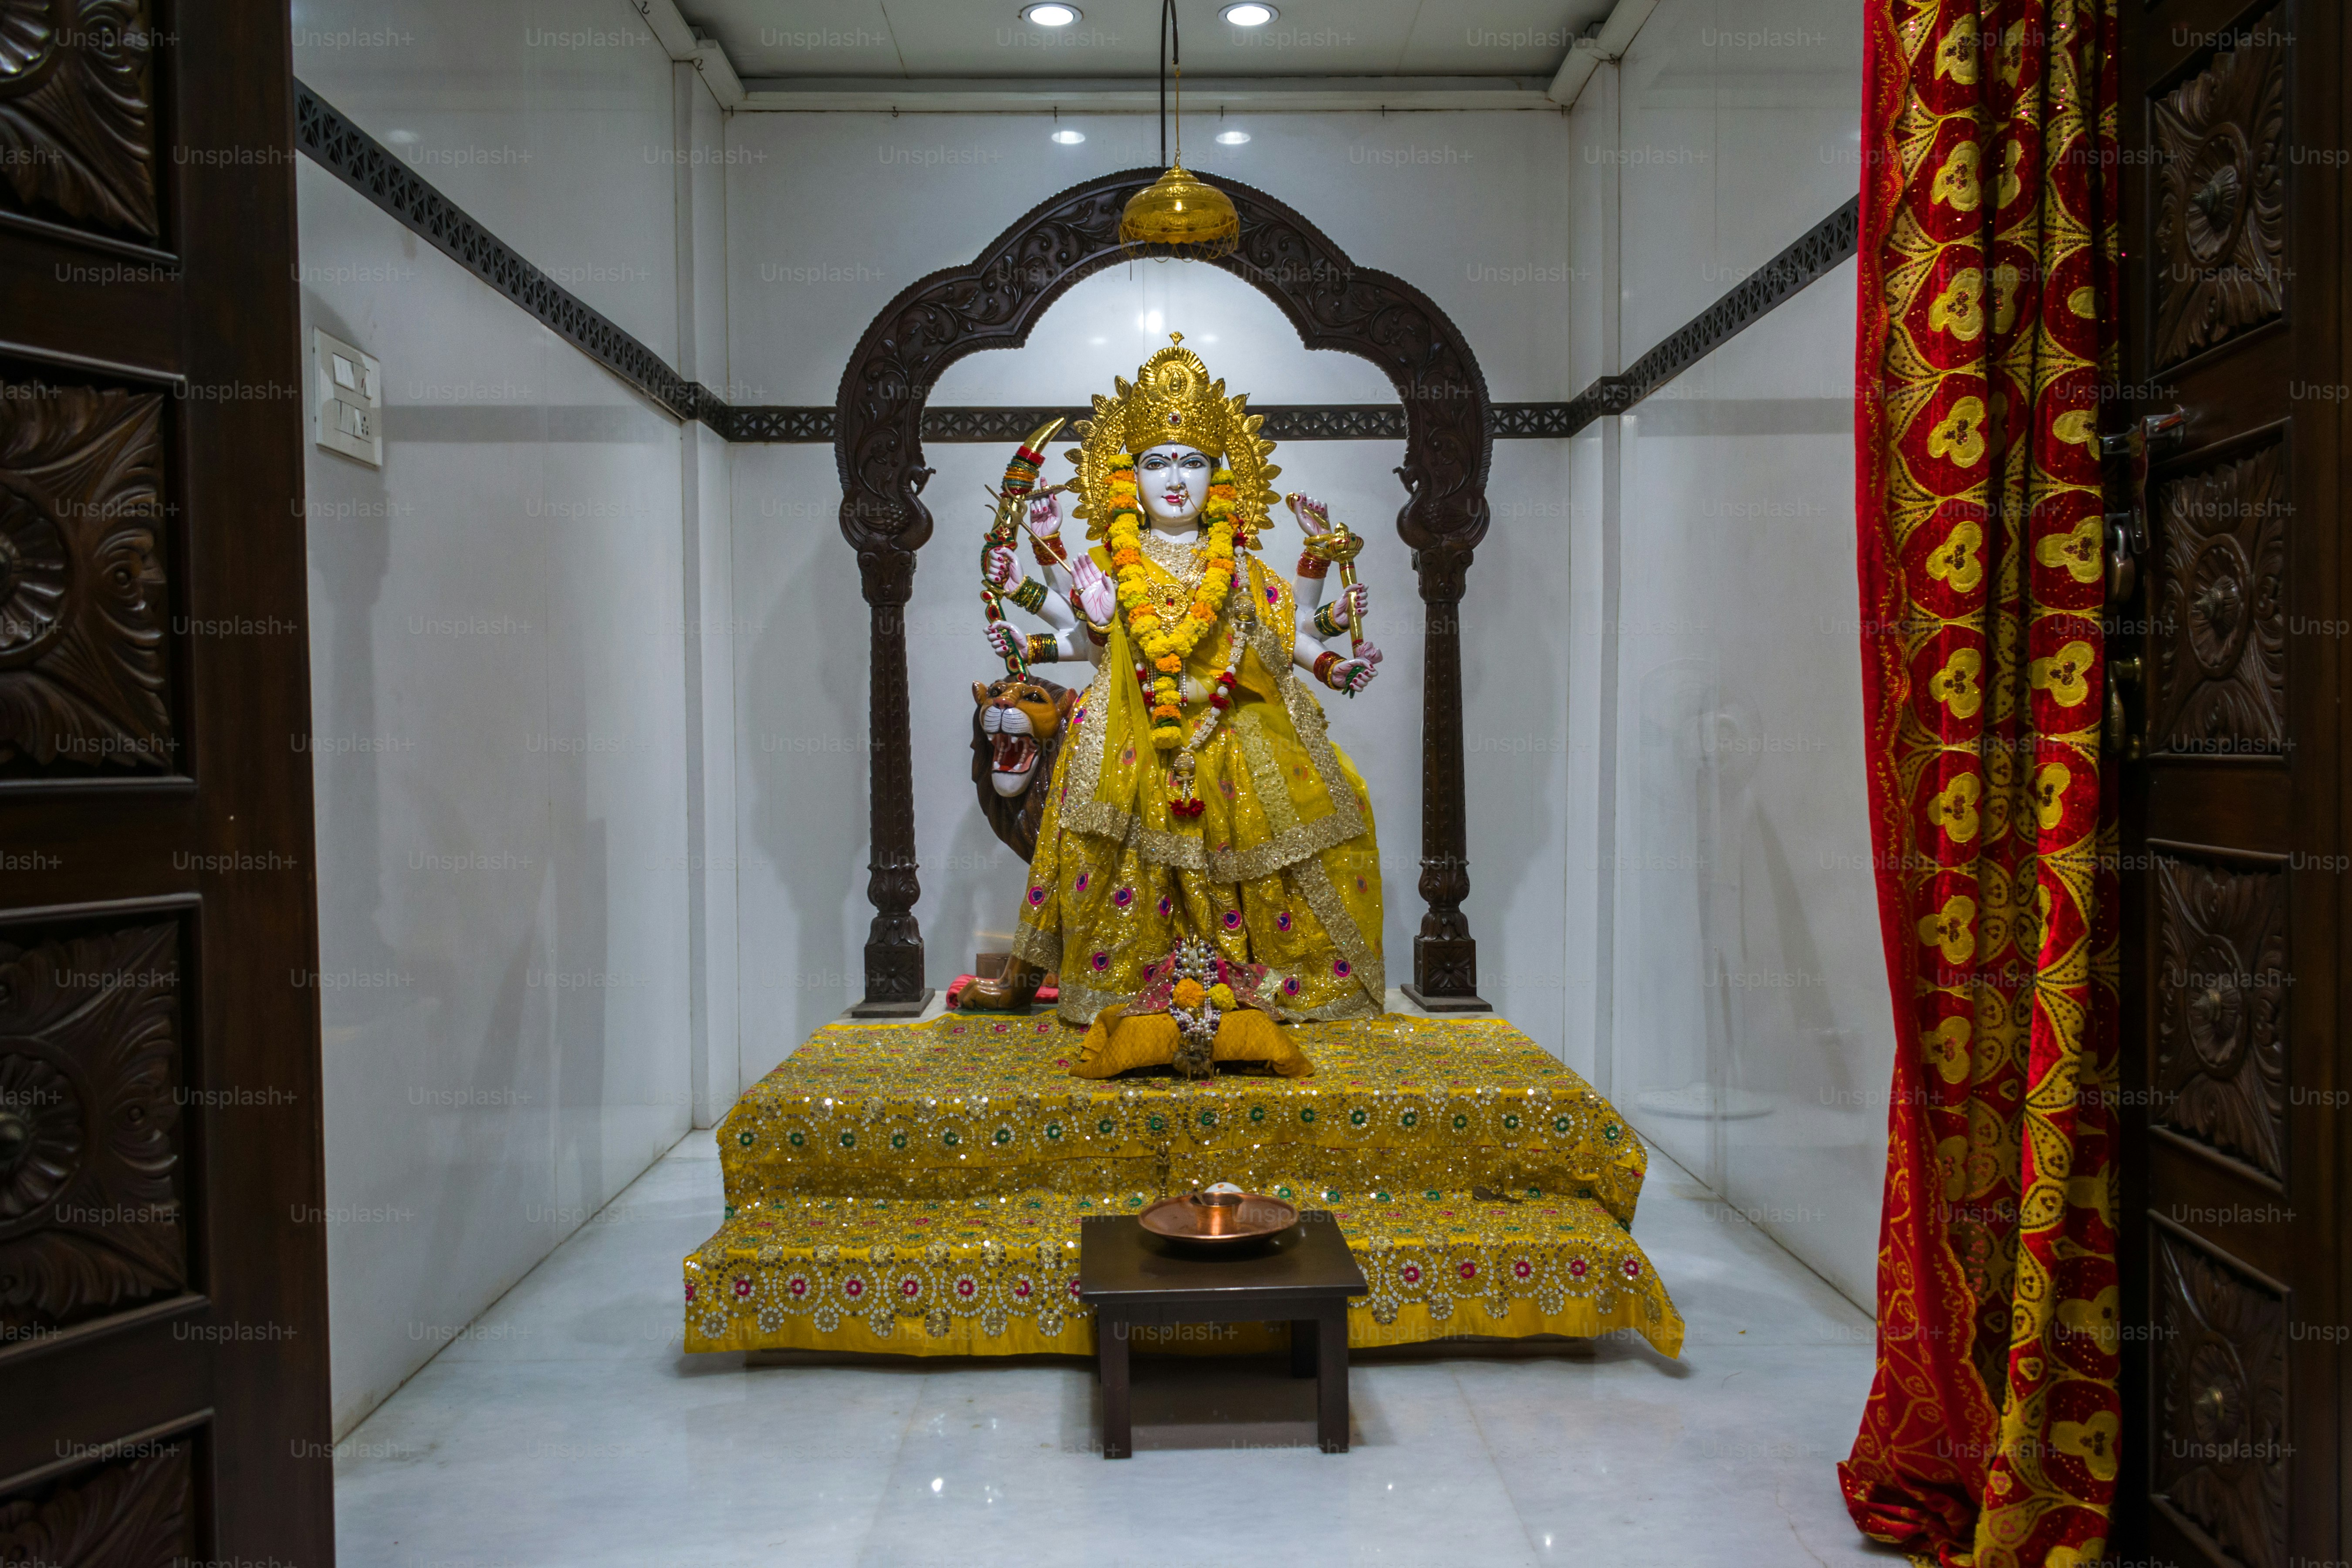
(1178, 214)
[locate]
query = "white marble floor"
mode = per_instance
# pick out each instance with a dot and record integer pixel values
(568, 1429)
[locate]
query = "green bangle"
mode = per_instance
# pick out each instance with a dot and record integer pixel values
(1044, 649)
(1030, 595)
(1325, 621)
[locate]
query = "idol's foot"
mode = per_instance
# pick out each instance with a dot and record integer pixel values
(1011, 991)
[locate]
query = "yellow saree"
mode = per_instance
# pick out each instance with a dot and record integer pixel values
(1281, 868)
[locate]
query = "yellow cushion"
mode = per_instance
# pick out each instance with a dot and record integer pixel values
(1117, 1043)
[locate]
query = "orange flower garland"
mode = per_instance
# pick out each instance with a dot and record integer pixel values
(1165, 650)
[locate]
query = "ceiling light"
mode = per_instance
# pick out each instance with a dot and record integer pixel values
(1052, 15)
(1251, 15)
(1232, 138)
(1069, 138)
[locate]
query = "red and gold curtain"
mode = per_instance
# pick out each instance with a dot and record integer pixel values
(1987, 289)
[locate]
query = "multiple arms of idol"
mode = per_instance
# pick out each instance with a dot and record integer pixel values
(1073, 599)
(1082, 594)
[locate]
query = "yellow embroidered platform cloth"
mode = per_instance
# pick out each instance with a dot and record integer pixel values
(918, 1188)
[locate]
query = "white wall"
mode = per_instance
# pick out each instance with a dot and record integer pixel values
(1722, 909)
(511, 837)
(830, 214)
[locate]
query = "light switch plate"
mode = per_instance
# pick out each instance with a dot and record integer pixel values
(350, 401)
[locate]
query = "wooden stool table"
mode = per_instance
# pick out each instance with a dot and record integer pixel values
(1304, 1276)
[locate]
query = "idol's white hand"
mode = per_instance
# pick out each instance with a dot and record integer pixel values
(1046, 516)
(1098, 596)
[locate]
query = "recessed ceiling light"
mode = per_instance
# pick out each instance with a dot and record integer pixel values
(1069, 138)
(1250, 16)
(1232, 138)
(1049, 16)
(403, 138)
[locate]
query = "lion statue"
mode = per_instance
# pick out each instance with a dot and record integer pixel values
(1017, 732)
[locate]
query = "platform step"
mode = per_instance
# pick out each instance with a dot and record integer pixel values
(972, 1107)
(997, 1276)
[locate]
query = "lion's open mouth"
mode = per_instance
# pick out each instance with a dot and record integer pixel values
(1016, 754)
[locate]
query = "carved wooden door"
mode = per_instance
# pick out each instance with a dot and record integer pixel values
(163, 1321)
(2234, 1090)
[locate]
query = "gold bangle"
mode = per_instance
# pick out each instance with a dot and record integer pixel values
(1044, 649)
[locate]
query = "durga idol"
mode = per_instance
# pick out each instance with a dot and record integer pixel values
(1196, 794)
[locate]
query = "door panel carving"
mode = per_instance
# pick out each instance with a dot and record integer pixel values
(89, 1127)
(76, 112)
(136, 1513)
(2221, 1446)
(83, 601)
(2218, 264)
(2220, 1031)
(2231, 1199)
(2222, 622)
(152, 617)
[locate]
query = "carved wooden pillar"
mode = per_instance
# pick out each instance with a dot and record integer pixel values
(894, 942)
(1444, 958)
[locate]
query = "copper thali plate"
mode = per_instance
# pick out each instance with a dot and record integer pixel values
(1218, 1220)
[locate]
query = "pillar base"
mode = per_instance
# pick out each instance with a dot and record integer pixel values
(893, 1008)
(1445, 1003)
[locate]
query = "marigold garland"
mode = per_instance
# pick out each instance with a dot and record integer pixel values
(1165, 650)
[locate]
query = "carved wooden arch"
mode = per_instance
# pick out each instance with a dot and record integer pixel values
(993, 303)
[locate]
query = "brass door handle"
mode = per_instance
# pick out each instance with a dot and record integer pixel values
(2133, 445)
(2133, 442)
(2123, 567)
(2128, 540)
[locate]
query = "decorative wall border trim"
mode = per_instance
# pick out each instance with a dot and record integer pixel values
(384, 178)
(995, 426)
(1804, 259)
(363, 163)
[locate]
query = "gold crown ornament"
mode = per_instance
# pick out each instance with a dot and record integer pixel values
(1173, 400)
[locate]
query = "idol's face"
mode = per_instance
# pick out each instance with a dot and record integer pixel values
(1172, 482)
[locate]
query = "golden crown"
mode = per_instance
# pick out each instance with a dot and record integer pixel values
(1173, 400)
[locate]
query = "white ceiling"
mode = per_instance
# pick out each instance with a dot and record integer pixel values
(968, 39)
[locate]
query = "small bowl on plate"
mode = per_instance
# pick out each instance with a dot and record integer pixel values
(1219, 1221)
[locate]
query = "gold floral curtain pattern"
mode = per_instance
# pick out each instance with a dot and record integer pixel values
(1989, 257)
